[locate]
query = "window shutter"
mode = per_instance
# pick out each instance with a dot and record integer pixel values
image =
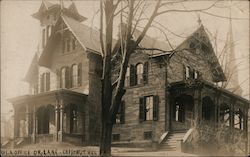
(145, 73)
(132, 75)
(41, 83)
(156, 108)
(184, 72)
(142, 110)
(79, 73)
(67, 76)
(47, 81)
(122, 112)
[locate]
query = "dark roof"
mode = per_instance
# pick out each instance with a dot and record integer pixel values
(208, 84)
(27, 98)
(149, 42)
(87, 36)
(71, 10)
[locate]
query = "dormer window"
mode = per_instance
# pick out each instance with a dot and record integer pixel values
(191, 73)
(69, 44)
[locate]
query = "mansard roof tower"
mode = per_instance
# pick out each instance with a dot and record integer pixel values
(48, 14)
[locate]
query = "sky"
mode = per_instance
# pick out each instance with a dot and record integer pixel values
(20, 36)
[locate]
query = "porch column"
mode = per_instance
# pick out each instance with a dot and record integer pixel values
(217, 109)
(246, 129)
(56, 124)
(232, 120)
(33, 138)
(16, 124)
(28, 124)
(197, 106)
(60, 133)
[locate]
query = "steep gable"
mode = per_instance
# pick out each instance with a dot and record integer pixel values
(86, 36)
(199, 43)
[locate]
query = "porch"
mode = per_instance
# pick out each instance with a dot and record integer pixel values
(217, 116)
(53, 116)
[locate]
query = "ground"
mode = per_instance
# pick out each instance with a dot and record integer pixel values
(53, 149)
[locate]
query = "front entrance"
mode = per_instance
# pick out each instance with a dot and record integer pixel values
(182, 112)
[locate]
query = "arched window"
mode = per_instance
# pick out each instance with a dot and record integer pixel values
(74, 75)
(63, 78)
(139, 73)
(45, 82)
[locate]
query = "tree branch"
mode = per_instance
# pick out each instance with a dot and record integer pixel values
(180, 10)
(225, 17)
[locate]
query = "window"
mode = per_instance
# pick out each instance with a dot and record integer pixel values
(187, 72)
(149, 108)
(191, 73)
(45, 82)
(74, 76)
(148, 135)
(225, 114)
(139, 73)
(120, 116)
(68, 45)
(238, 119)
(116, 137)
(73, 43)
(64, 77)
(43, 38)
(79, 73)
(127, 77)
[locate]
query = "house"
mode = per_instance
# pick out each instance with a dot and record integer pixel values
(167, 95)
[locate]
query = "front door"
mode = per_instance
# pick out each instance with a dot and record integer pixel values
(182, 112)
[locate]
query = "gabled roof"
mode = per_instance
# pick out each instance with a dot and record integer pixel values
(85, 35)
(149, 42)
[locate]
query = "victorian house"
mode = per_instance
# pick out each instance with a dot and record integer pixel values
(172, 100)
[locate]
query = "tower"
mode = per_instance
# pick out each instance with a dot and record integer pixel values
(229, 63)
(48, 14)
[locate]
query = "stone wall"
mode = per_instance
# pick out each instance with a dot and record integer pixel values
(133, 130)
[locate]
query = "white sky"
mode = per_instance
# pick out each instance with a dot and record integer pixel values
(20, 35)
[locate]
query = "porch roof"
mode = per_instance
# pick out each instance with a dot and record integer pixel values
(209, 85)
(55, 93)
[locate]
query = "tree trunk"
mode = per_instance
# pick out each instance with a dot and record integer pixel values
(105, 147)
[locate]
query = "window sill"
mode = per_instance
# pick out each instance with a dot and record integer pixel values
(68, 53)
(135, 86)
(148, 121)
